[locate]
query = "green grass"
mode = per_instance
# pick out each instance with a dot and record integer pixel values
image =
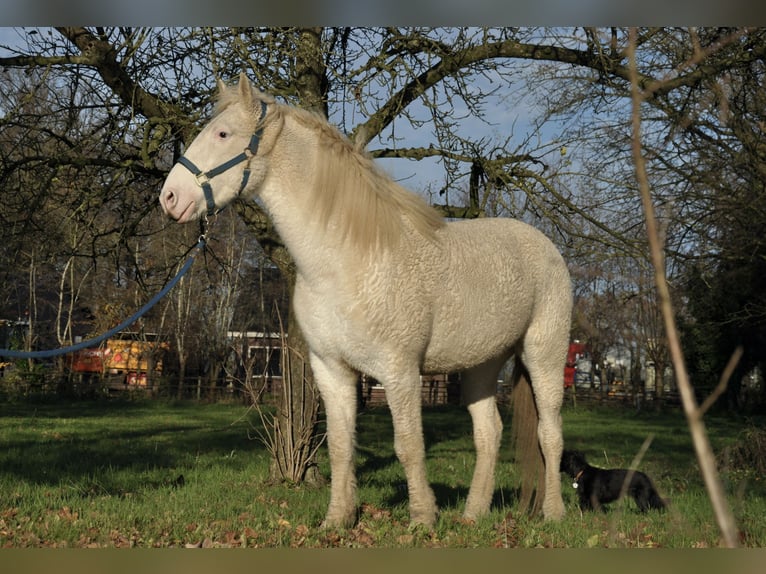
(106, 473)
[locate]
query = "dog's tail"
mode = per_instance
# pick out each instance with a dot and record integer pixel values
(529, 457)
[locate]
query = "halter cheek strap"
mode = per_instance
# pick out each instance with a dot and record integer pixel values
(203, 178)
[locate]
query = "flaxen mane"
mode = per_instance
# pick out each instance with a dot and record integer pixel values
(369, 206)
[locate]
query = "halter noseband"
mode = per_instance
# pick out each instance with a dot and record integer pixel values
(203, 178)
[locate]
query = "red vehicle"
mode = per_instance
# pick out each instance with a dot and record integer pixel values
(576, 351)
(122, 360)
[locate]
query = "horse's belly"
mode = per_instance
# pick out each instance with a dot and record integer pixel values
(462, 342)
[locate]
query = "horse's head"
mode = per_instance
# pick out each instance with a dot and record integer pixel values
(223, 160)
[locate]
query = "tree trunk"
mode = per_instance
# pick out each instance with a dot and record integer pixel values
(181, 376)
(659, 384)
(298, 408)
(294, 455)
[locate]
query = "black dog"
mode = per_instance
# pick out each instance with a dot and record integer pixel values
(597, 486)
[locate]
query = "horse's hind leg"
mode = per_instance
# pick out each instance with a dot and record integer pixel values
(337, 387)
(546, 373)
(478, 388)
(403, 394)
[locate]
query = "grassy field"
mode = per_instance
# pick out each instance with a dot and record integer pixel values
(158, 474)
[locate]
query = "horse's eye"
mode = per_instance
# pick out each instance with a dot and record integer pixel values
(223, 135)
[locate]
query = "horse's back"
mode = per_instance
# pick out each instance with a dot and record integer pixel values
(505, 238)
(497, 277)
(508, 256)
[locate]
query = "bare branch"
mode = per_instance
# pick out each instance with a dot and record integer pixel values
(702, 446)
(722, 384)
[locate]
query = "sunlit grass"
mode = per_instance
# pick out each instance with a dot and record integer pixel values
(164, 474)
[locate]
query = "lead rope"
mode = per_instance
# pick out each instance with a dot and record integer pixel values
(196, 250)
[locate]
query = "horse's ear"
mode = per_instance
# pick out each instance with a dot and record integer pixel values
(220, 85)
(245, 87)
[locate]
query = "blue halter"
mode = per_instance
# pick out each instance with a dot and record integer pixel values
(203, 178)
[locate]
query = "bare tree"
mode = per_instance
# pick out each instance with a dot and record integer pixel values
(693, 412)
(566, 171)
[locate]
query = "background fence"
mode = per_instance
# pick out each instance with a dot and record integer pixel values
(437, 390)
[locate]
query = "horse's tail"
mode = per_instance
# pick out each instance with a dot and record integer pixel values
(529, 457)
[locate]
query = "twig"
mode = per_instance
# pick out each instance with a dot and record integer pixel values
(629, 478)
(723, 383)
(700, 440)
(634, 464)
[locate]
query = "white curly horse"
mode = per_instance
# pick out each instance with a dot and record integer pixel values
(386, 287)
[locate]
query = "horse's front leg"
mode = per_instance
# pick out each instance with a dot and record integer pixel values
(403, 395)
(337, 387)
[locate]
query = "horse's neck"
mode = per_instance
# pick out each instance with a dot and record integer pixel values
(287, 195)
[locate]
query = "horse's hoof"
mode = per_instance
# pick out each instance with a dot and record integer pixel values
(554, 514)
(423, 518)
(337, 522)
(474, 511)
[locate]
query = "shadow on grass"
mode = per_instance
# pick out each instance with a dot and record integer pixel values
(450, 497)
(448, 438)
(90, 441)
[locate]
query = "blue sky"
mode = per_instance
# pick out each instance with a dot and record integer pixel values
(510, 113)
(419, 175)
